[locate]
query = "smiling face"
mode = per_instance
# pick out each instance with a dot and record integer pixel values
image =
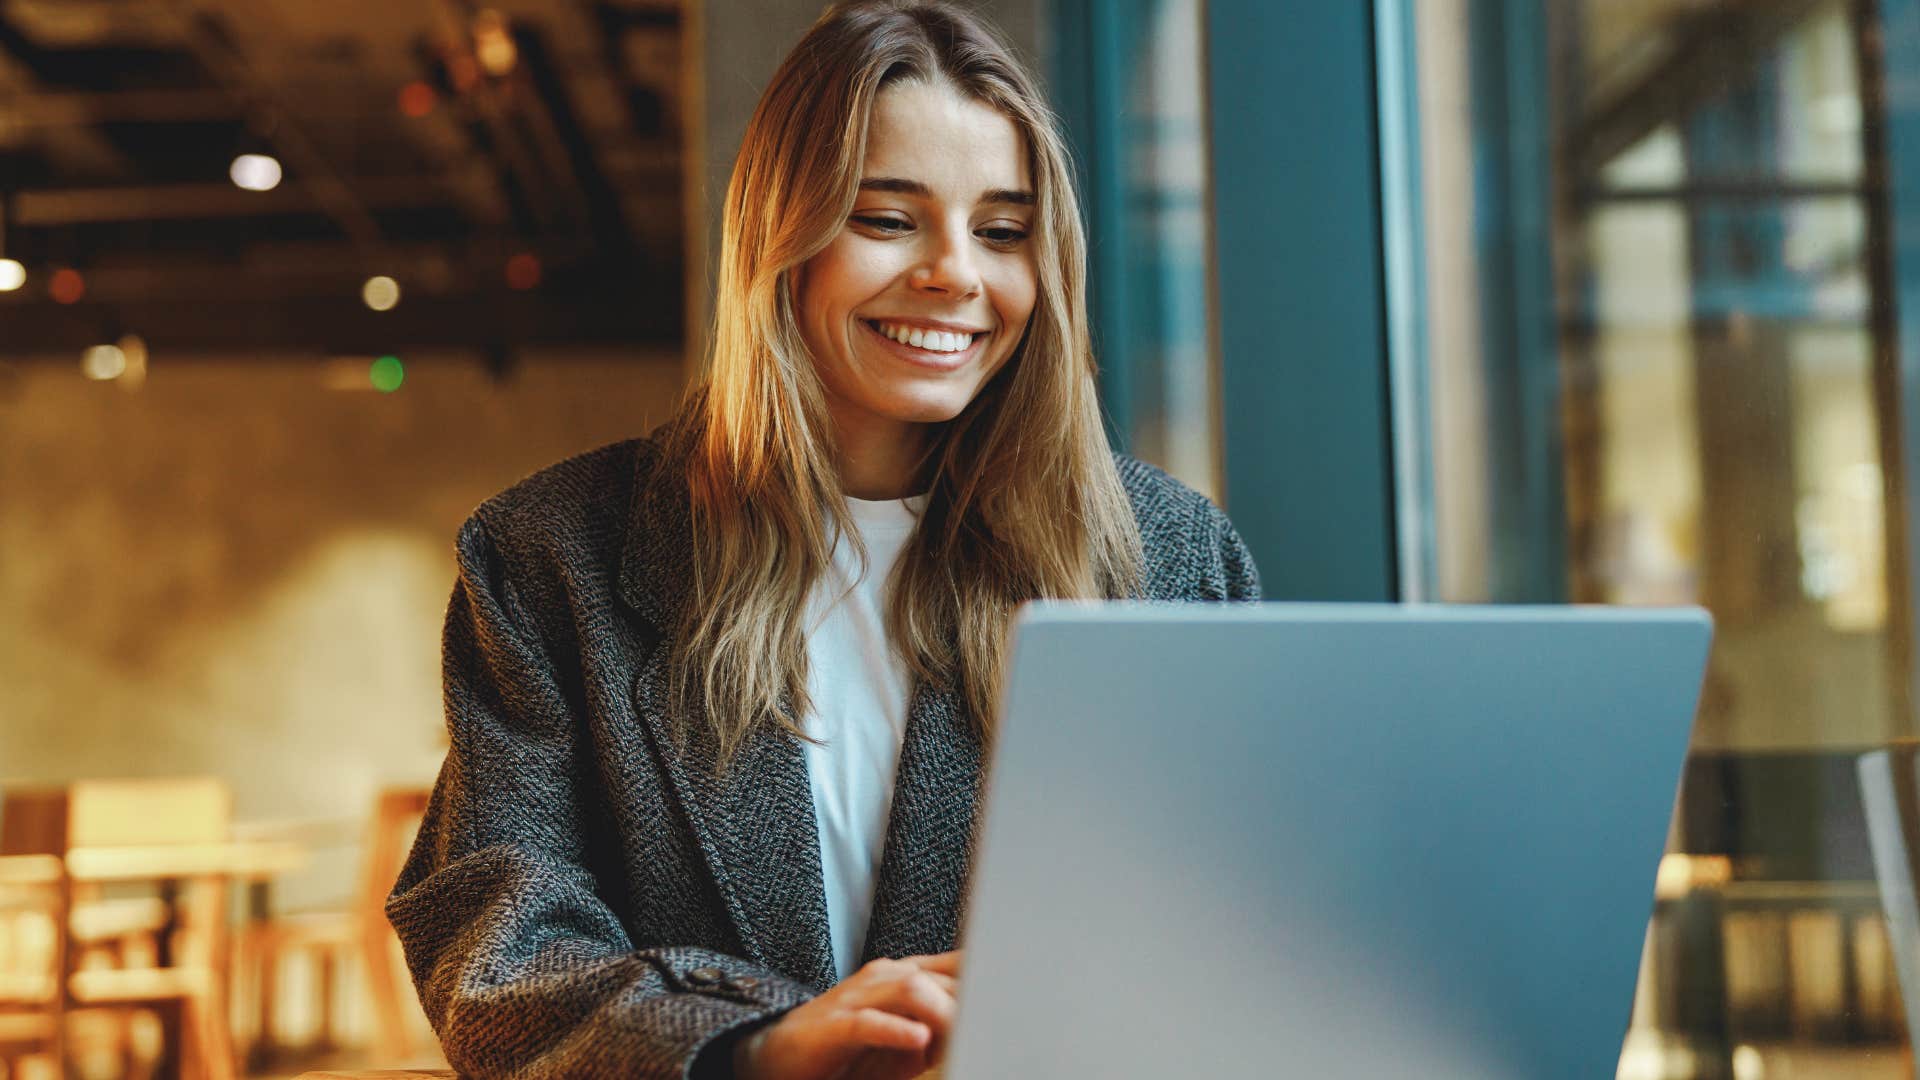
(926, 289)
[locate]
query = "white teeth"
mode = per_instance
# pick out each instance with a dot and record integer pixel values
(931, 340)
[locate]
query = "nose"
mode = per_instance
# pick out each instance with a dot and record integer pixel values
(947, 267)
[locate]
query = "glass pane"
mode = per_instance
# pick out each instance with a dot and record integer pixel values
(1172, 376)
(1132, 83)
(1714, 419)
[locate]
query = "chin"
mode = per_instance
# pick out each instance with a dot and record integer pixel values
(935, 416)
(935, 407)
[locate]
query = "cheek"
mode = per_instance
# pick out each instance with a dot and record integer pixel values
(1017, 292)
(839, 279)
(813, 290)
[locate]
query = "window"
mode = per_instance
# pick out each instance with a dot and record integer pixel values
(1662, 366)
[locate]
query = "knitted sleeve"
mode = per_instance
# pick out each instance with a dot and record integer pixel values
(521, 966)
(1230, 573)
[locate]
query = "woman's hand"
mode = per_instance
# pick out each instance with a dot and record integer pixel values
(887, 1021)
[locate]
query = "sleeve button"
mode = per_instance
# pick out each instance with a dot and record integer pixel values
(745, 982)
(703, 976)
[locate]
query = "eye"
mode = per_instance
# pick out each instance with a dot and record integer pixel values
(1002, 235)
(883, 224)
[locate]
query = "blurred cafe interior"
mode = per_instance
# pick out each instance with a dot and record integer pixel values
(1477, 301)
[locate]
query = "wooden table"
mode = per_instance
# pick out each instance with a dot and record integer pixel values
(382, 1074)
(242, 860)
(203, 866)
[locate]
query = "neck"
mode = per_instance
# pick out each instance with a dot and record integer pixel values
(879, 458)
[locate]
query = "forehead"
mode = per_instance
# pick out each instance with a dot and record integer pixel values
(954, 144)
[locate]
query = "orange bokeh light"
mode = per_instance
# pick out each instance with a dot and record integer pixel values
(463, 71)
(523, 271)
(417, 99)
(66, 286)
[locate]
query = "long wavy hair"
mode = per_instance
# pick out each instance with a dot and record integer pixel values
(1023, 498)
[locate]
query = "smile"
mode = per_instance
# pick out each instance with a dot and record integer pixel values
(936, 349)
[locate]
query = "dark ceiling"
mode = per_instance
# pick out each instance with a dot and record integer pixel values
(531, 128)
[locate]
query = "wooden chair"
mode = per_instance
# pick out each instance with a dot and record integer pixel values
(361, 933)
(33, 913)
(168, 950)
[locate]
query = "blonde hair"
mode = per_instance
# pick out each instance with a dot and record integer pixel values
(1024, 500)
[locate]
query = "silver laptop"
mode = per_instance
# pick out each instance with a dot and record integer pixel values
(1323, 840)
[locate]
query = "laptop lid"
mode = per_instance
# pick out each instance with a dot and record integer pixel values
(1323, 840)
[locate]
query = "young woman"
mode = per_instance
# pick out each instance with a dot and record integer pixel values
(719, 699)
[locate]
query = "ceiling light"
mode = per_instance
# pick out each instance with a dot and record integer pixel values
(133, 348)
(380, 293)
(255, 172)
(66, 286)
(103, 362)
(523, 271)
(416, 99)
(493, 43)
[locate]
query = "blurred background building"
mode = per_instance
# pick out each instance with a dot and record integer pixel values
(1597, 301)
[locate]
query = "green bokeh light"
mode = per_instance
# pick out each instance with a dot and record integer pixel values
(387, 374)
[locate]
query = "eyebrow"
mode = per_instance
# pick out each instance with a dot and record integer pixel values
(901, 186)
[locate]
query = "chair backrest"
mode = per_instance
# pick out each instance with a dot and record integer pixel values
(114, 813)
(131, 813)
(1890, 795)
(32, 921)
(33, 821)
(176, 819)
(396, 817)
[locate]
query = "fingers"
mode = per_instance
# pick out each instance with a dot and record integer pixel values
(921, 997)
(888, 1021)
(883, 1030)
(946, 963)
(900, 1011)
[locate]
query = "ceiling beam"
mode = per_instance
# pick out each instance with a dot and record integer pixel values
(32, 109)
(72, 206)
(212, 45)
(617, 313)
(156, 202)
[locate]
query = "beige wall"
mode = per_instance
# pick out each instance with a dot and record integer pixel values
(238, 571)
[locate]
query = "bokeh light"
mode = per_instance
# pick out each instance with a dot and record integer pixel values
(380, 293)
(463, 72)
(66, 286)
(523, 271)
(104, 362)
(133, 348)
(12, 275)
(386, 374)
(417, 99)
(493, 43)
(255, 172)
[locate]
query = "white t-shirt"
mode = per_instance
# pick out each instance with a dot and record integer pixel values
(859, 688)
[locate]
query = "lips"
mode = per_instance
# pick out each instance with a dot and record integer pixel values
(927, 358)
(915, 323)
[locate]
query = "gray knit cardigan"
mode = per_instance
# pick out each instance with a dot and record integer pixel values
(586, 898)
